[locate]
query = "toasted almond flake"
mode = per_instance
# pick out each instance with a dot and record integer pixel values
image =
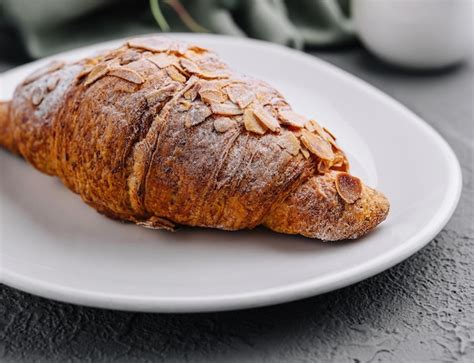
(127, 74)
(37, 96)
(329, 133)
(211, 85)
(288, 117)
(266, 117)
(252, 124)
(313, 126)
(240, 95)
(52, 83)
(197, 49)
(85, 71)
(226, 109)
(265, 98)
(179, 48)
(348, 187)
(109, 55)
(161, 94)
(223, 124)
(175, 74)
(329, 137)
(189, 66)
(184, 105)
(340, 162)
(217, 74)
(212, 95)
(152, 44)
(197, 114)
(245, 100)
(317, 145)
(52, 67)
(192, 93)
(162, 60)
(338, 159)
(234, 92)
(323, 167)
(97, 72)
(128, 57)
(305, 152)
(290, 143)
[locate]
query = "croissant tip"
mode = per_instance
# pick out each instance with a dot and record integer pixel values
(376, 208)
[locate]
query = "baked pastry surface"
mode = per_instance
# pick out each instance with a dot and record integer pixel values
(160, 132)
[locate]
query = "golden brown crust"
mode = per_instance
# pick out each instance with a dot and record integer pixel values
(160, 132)
(316, 210)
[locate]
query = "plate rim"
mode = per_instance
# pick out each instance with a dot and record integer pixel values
(286, 293)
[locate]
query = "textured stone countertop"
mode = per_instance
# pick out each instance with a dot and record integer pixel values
(420, 310)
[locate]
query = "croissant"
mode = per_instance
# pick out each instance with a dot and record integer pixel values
(162, 133)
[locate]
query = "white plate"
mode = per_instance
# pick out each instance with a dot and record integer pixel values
(53, 245)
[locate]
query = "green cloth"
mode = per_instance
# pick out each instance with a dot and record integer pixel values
(51, 26)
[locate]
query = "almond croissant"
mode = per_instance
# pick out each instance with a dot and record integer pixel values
(161, 132)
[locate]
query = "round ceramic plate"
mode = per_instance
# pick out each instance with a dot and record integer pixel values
(54, 245)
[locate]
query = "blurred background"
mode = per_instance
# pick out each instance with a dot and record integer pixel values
(420, 34)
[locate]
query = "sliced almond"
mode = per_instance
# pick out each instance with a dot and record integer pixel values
(266, 118)
(252, 124)
(128, 57)
(162, 60)
(290, 143)
(197, 114)
(226, 109)
(52, 83)
(305, 152)
(212, 95)
(52, 67)
(85, 71)
(96, 73)
(313, 126)
(192, 92)
(288, 117)
(175, 74)
(189, 66)
(223, 124)
(197, 48)
(179, 47)
(216, 74)
(37, 96)
(152, 44)
(329, 133)
(340, 162)
(193, 68)
(348, 187)
(317, 145)
(323, 166)
(240, 95)
(234, 92)
(161, 94)
(127, 74)
(265, 98)
(211, 85)
(246, 99)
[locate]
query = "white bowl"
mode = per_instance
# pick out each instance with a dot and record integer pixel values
(422, 34)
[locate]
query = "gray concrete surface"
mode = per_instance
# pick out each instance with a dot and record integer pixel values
(421, 310)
